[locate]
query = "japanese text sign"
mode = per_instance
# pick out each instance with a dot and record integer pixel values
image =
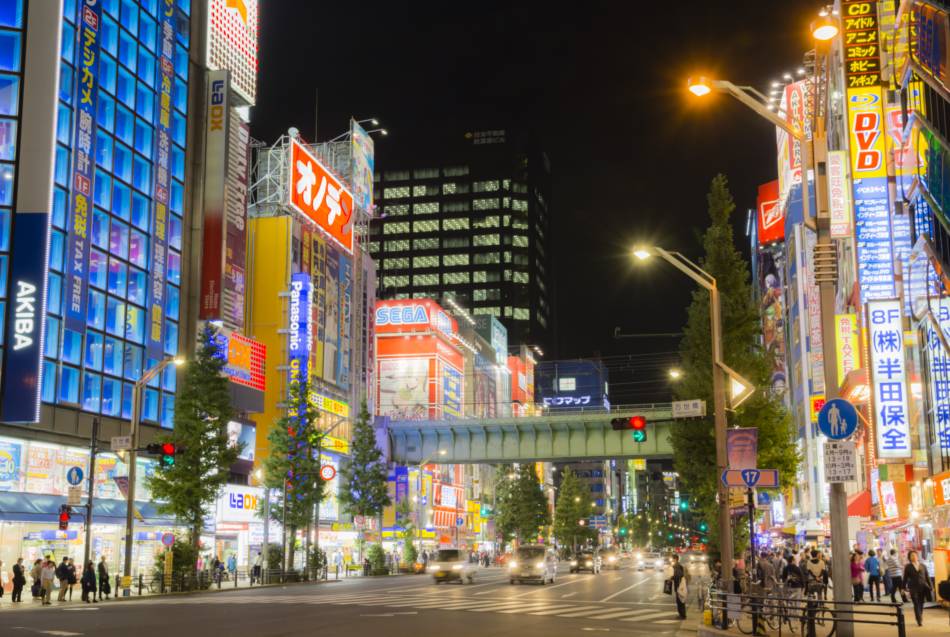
(320, 197)
(939, 367)
(839, 199)
(846, 344)
(889, 379)
(840, 463)
(862, 55)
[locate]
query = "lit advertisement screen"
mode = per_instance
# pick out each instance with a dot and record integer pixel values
(404, 388)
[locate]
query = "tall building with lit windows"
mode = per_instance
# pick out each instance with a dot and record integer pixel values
(474, 220)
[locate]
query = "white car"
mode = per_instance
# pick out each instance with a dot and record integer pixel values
(532, 563)
(650, 560)
(452, 564)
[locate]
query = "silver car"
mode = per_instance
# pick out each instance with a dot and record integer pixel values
(532, 563)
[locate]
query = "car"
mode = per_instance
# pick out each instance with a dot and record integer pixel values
(452, 564)
(586, 561)
(532, 563)
(650, 560)
(610, 558)
(695, 557)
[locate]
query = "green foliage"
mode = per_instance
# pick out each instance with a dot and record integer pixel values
(573, 505)
(521, 508)
(275, 556)
(317, 559)
(191, 485)
(293, 462)
(184, 558)
(404, 519)
(364, 477)
(409, 553)
(377, 559)
(693, 440)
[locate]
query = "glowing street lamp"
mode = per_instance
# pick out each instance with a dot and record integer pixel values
(825, 28)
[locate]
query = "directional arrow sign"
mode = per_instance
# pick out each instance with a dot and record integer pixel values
(750, 478)
(738, 389)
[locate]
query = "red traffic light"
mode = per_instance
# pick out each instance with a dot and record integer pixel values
(65, 513)
(168, 448)
(638, 423)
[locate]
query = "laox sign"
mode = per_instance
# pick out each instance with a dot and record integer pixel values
(866, 127)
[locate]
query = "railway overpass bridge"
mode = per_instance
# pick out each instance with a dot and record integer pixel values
(564, 435)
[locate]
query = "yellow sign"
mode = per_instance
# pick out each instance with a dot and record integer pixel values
(846, 344)
(330, 405)
(816, 403)
(866, 124)
(167, 574)
(639, 464)
(336, 445)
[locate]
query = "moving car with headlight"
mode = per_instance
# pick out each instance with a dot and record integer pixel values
(532, 563)
(452, 564)
(650, 560)
(586, 561)
(696, 557)
(610, 558)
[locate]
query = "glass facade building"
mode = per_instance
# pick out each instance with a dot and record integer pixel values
(95, 371)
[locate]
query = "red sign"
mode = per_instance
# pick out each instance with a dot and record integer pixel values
(327, 472)
(245, 361)
(320, 197)
(770, 219)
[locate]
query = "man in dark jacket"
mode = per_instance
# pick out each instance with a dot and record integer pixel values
(62, 574)
(19, 580)
(88, 582)
(679, 573)
(105, 587)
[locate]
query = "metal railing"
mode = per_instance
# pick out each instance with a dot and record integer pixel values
(787, 611)
(180, 582)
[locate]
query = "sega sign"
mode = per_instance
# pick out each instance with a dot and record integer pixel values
(402, 315)
(239, 504)
(391, 316)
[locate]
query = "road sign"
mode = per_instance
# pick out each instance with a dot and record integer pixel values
(750, 478)
(459, 521)
(838, 419)
(74, 496)
(327, 472)
(689, 408)
(120, 443)
(74, 476)
(168, 539)
(840, 463)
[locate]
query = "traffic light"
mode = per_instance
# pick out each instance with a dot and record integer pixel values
(703, 527)
(639, 426)
(684, 505)
(65, 514)
(169, 449)
(623, 531)
(619, 424)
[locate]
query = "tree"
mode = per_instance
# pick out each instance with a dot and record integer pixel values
(694, 449)
(293, 465)
(573, 506)
(404, 519)
(190, 486)
(522, 510)
(365, 489)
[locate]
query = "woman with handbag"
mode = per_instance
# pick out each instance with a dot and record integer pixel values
(917, 581)
(857, 577)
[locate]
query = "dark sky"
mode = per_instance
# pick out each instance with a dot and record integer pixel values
(602, 82)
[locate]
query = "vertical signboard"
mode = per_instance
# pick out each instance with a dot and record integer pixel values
(770, 221)
(938, 367)
(26, 311)
(84, 153)
(232, 43)
(319, 196)
(451, 392)
(235, 232)
(363, 166)
(839, 200)
(889, 379)
(155, 334)
(846, 344)
(215, 178)
(346, 321)
(300, 330)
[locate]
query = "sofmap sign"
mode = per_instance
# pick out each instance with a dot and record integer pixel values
(22, 363)
(320, 197)
(889, 377)
(770, 224)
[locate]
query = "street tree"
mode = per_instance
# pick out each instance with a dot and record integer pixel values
(364, 486)
(293, 466)
(693, 440)
(190, 486)
(522, 510)
(572, 507)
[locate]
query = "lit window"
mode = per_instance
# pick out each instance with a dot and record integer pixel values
(455, 171)
(396, 175)
(519, 224)
(425, 279)
(427, 208)
(521, 277)
(456, 278)
(486, 240)
(479, 276)
(448, 188)
(519, 205)
(419, 191)
(485, 204)
(520, 241)
(480, 295)
(486, 258)
(491, 221)
(400, 245)
(488, 311)
(397, 192)
(425, 173)
(491, 185)
(425, 262)
(398, 227)
(373, 247)
(507, 275)
(396, 210)
(395, 264)
(397, 281)
(428, 225)
(521, 314)
(426, 243)
(455, 259)
(459, 223)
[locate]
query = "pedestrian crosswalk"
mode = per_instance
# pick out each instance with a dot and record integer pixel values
(418, 601)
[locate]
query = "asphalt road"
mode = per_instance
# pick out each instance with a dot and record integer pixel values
(624, 602)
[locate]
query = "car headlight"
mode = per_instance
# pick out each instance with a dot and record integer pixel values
(512, 564)
(539, 565)
(659, 562)
(611, 559)
(456, 567)
(589, 563)
(639, 556)
(573, 562)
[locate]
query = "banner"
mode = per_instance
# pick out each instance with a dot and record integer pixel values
(938, 363)
(300, 330)
(742, 447)
(155, 334)
(235, 217)
(889, 379)
(839, 200)
(451, 392)
(846, 345)
(404, 388)
(319, 196)
(215, 178)
(76, 275)
(363, 166)
(770, 223)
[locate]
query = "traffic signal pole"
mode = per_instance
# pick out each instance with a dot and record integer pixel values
(93, 450)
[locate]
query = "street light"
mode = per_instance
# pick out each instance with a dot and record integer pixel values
(676, 374)
(371, 120)
(825, 28)
(130, 491)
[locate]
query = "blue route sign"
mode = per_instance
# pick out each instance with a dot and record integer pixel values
(750, 478)
(838, 419)
(74, 476)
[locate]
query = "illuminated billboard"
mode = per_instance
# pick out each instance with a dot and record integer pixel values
(319, 196)
(300, 328)
(404, 388)
(770, 220)
(889, 375)
(232, 43)
(363, 165)
(413, 315)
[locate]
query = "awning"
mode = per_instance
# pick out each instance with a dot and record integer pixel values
(445, 519)
(859, 505)
(33, 507)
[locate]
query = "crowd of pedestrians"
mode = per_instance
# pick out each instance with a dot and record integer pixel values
(47, 576)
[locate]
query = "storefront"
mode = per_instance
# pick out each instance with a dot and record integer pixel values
(238, 529)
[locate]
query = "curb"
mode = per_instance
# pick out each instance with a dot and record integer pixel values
(220, 590)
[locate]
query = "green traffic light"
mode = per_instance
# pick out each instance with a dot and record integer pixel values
(639, 435)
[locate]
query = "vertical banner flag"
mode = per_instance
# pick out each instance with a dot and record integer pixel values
(235, 216)
(889, 379)
(846, 344)
(216, 176)
(839, 200)
(155, 334)
(301, 326)
(938, 362)
(84, 153)
(363, 165)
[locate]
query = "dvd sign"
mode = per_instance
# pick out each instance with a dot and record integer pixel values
(770, 218)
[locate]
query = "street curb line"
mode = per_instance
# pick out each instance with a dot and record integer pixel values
(218, 590)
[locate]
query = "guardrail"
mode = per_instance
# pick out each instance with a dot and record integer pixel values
(810, 616)
(181, 581)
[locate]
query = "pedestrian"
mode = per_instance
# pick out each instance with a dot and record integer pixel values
(917, 581)
(19, 580)
(679, 586)
(232, 566)
(873, 567)
(815, 575)
(765, 572)
(366, 566)
(857, 576)
(256, 569)
(47, 577)
(896, 573)
(71, 578)
(88, 581)
(62, 575)
(105, 586)
(35, 589)
(794, 579)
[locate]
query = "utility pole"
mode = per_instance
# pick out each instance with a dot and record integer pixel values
(93, 450)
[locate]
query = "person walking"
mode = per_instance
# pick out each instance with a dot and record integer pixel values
(36, 589)
(62, 574)
(47, 577)
(857, 577)
(816, 574)
(873, 567)
(232, 566)
(105, 587)
(71, 578)
(896, 574)
(88, 581)
(917, 581)
(679, 586)
(256, 569)
(19, 581)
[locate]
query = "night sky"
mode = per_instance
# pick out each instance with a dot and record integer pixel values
(602, 85)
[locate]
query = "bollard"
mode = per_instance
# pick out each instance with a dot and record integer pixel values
(141, 581)
(235, 579)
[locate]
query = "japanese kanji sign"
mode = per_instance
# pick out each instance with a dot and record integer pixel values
(939, 363)
(889, 379)
(320, 197)
(840, 464)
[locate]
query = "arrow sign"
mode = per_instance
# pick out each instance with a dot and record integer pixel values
(750, 478)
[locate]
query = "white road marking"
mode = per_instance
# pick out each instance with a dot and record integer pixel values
(562, 609)
(624, 590)
(620, 613)
(645, 617)
(569, 594)
(528, 608)
(553, 586)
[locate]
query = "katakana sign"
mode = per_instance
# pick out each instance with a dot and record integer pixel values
(320, 197)
(889, 379)
(559, 401)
